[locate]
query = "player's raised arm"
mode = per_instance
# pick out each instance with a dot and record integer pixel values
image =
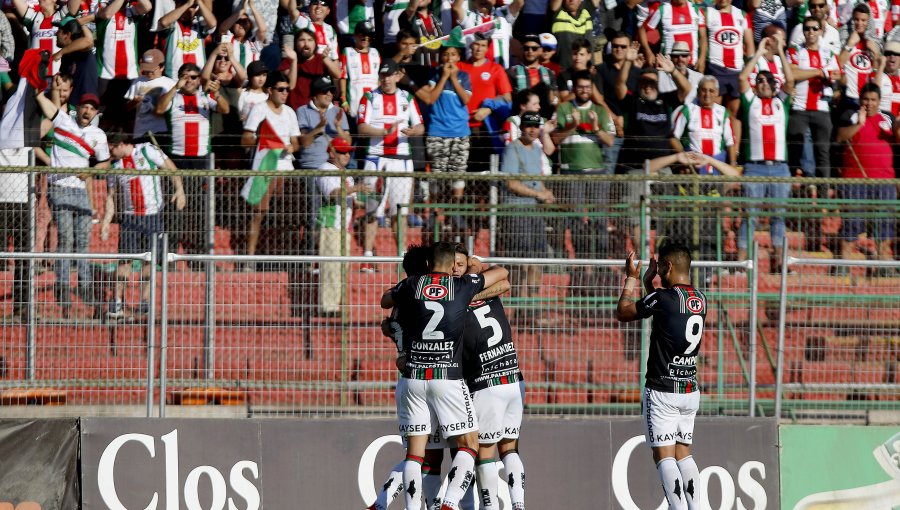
(494, 290)
(493, 275)
(626, 310)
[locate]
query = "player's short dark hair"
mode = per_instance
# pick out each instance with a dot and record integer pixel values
(584, 74)
(444, 254)
(675, 253)
(416, 260)
(275, 78)
(461, 248)
(870, 87)
(118, 135)
(810, 19)
(405, 34)
(580, 43)
(188, 67)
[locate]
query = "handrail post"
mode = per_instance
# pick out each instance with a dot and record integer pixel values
(30, 310)
(782, 312)
(163, 323)
(209, 312)
(493, 199)
(151, 326)
(754, 310)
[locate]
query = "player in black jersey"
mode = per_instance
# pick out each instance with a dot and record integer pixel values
(671, 395)
(492, 373)
(432, 310)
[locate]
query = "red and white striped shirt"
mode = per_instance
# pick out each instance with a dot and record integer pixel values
(386, 111)
(43, 34)
(857, 71)
(326, 35)
(890, 94)
(766, 120)
(726, 37)
(774, 67)
(814, 94)
(706, 130)
(361, 72)
(880, 12)
(678, 23)
(188, 121)
(117, 46)
(185, 45)
(142, 194)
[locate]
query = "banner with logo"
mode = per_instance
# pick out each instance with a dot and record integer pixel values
(278, 464)
(836, 468)
(39, 466)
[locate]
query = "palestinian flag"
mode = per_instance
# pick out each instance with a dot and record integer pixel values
(268, 152)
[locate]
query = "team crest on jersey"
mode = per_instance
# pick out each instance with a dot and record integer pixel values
(434, 291)
(728, 36)
(861, 61)
(694, 304)
(485, 76)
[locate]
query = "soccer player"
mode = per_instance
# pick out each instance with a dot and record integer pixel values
(432, 310)
(671, 395)
(493, 376)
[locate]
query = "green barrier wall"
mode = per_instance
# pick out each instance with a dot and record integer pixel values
(840, 468)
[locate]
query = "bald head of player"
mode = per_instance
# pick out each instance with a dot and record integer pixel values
(674, 266)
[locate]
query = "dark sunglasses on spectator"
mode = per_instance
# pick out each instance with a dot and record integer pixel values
(816, 6)
(281, 89)
(223, 59)
(763, 79)
(619, 46)
(891, 54)
(531, 48)
(810, 28)
(191, 76)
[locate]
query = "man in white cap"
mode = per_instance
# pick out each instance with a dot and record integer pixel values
(668, 89)
(889, 79)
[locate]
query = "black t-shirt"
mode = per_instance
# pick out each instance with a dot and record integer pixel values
(432, 314)
(490, 356)
(678, 316)
(605, 78)
(647, 129)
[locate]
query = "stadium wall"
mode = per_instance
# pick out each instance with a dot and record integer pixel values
(194, 464)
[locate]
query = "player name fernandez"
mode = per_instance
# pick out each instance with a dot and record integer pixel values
(432, 346)
(496, 352)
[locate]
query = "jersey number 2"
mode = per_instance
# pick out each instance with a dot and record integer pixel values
(489, 322)
(693, 332)
(430, 332)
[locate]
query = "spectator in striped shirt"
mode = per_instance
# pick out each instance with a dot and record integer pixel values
(142, 204)
(185, 34)
(117, 54)
(766, 121)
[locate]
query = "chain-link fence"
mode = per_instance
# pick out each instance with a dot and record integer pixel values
(285, 331)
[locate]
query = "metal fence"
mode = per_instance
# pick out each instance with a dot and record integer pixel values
(289, 331)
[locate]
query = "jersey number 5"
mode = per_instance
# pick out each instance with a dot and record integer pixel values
(430, 332)
(693, 332)
(489, 322)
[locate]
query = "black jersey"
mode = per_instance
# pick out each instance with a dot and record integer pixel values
(678, 316)
(490, 355)
(432, 312)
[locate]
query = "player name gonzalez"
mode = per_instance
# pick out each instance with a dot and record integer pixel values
(433, 346)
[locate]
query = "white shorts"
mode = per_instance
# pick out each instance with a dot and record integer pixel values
(397, 190)
(449, 399)
(436, 441)
(499, 411)
(669, 417)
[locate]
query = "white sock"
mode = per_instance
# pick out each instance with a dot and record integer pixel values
(467, 502)
(515, 478)
(412, 482)
(431, 485)
(461, 474)
(488, 483)
(690, 475)
(391, 488)
(671, 482)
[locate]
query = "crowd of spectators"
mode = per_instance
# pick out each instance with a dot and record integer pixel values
(783, 88)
